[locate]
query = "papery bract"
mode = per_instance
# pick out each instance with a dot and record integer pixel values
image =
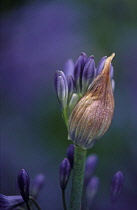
(92, 115)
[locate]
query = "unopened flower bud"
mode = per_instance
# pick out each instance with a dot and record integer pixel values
(101, 64)
(88, 73)
(61, 87)
(24, 184)
(116, 185)
(70, 154)
(92, 115)
(64, 172)
(78, 70)
(71, 86)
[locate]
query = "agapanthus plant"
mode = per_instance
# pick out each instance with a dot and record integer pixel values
(85, 95)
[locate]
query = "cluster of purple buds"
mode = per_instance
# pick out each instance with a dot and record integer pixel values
(22, 201)
(73, 83)
(91, 182)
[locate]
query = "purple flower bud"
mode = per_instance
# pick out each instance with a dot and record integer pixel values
(69, 68)
(90, 166)
(70, 154)
(88, 73)
(91, 190)
(116, 185)
(70, 81)
(10, 202)
(38, 183)
(64, 172)
(78, 71)
(101, 64)
(61, 87)
(24, 184)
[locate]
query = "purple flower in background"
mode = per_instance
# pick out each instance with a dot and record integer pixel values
(38, 183)
(90, 166)
(70, 154)
(91, 190)
(10, 202)
(116, 185)
(64, 173)
(24, 184)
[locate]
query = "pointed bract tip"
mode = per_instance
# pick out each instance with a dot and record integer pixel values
(107, 65)
(109, 59)
(112, 56)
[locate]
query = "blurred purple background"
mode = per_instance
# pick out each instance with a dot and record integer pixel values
(36, 40)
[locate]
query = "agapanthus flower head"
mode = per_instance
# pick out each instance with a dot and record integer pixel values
(116, 185)
(92, 115)
(10, 202)
(75, 81)
(64, 173)
(23, 180)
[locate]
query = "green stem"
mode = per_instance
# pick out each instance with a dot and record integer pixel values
(36, 204)
(63, 200)
(77, 178)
